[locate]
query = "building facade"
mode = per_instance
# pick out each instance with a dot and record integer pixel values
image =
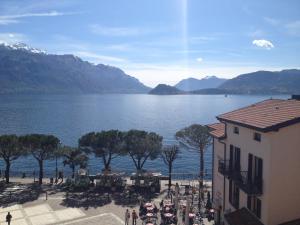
(256, 164)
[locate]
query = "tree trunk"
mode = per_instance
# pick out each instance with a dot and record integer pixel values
(201, 177)
(73, 171)
(170, 176)
(41, 175)
(7, 171)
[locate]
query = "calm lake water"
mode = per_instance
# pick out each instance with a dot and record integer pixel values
(70, 116)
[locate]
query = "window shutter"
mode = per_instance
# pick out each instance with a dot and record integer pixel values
(249, 202)
(250, 159)
(258, 208)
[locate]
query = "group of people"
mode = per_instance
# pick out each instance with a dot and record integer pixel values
(134, 217)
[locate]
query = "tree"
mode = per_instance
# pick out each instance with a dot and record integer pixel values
(142, 146)
(106, 145)
(74, 157)
(42, 147)
(169, 155)
(196, 136)
(10, 150)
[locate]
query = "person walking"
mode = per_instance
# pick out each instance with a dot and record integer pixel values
(8, 218)
(127, 217)
(134, 217)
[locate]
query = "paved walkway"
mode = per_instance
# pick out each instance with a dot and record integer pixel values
(55, 211)
(41, 214)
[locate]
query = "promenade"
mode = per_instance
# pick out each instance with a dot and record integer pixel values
(61, 209)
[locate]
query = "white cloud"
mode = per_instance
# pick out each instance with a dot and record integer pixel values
(11, 38)
(263, 44)
(293, 28)
(96, 58)
(199, 59)
(117, 31)
(8, 19)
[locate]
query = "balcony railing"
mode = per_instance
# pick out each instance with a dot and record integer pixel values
(249, 186)
(224, 167)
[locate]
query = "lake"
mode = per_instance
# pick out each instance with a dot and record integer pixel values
(70, 116)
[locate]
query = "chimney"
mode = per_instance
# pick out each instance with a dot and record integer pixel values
(296, 97)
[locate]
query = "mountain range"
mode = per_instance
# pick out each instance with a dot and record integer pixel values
(193, 84)
(24, 69)
(28, 70)
(260, 82)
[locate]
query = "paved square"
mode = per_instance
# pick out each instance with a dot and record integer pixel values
(69, 214)
(16, 222)
(109, 219)
(36, 210)
(10, 208)
(44, 219)
(17, 214)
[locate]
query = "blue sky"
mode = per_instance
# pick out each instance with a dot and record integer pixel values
(162, 41)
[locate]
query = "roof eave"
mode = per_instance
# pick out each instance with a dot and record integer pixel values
(274, 127)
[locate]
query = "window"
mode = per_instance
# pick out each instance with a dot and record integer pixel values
(235, 158)
(234, 194)
(255, 172)
(254, 205)
(236, 130)
(257, 137)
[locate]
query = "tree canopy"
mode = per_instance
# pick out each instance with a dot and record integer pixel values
(42, 147)
(197, 136)
(105, 144)
(74, 157)
(10, 150)
(142, 145)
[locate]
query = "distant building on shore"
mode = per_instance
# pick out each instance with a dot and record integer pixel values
(256, 164)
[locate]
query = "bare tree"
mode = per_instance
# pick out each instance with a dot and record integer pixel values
(169, 155)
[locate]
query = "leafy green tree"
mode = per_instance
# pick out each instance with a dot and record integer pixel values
(196, 136)
(10, 150)
(169, 155)
(106, 144)
(74, 157)
(42, 147)
(141, 146)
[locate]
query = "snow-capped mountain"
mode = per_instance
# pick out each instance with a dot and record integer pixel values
(24, 69)
(22, 46)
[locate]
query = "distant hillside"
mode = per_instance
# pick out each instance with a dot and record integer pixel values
(163, 89)
(210, 91)
(264, 82)
(192, 84)
(28, 70)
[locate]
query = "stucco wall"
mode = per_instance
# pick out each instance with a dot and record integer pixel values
(218, 179)
(285, 178)
(244, 140)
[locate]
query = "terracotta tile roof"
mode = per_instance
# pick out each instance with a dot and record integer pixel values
(217, 130)
(265, 116)
(242, 216)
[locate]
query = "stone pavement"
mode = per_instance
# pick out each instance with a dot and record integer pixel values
(55, 211)
(41, 214)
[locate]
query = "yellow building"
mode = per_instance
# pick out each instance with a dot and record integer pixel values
(256, 164)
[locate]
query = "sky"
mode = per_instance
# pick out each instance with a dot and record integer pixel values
(161, 41)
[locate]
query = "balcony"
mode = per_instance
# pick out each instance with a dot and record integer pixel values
(224, 167)
(251, 187)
